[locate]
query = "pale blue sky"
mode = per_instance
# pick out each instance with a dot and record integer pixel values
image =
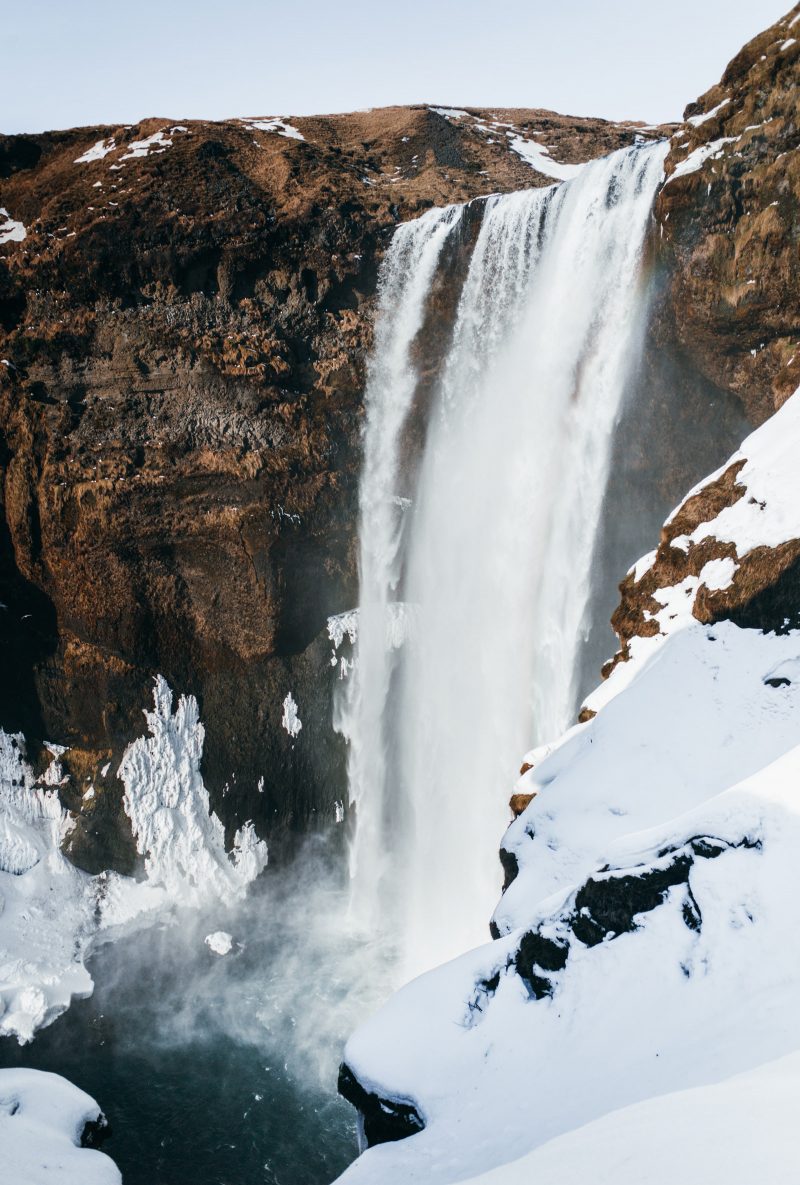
(68, 62)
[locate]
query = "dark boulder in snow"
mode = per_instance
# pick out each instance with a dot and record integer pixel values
(383, 1120)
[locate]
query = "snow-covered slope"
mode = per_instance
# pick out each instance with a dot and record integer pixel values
(738, 1131)
(51, 913)
(42, 1121)
(645, 975)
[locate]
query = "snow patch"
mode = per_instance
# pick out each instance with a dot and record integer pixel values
(290, 719)
(273, 125)
(696, 159)
(97, 151)
(538, 157)
(642, 565)
(696, 120)
(768, 513)
(718, 574)
(717, 1123)
(10, 230)
(157, 143)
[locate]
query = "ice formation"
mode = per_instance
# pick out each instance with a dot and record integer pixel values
(290, 720)
(51, 913)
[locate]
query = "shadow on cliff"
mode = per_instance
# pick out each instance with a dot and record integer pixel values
(28, 639)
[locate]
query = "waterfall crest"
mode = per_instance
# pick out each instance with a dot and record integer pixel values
(496, 557)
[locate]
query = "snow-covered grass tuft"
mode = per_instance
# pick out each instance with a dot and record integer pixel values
(697, 120)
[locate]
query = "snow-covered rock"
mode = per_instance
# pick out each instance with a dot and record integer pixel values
(727, 552)
(51, 913)
(220, 942)
(43, 1120)
(642, 986)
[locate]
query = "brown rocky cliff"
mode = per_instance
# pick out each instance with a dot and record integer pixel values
(729, 307)
(185, 327)
(729, 219)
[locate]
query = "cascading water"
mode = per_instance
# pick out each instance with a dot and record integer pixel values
(405, 282)
(496, 555)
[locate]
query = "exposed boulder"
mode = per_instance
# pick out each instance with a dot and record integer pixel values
(383, 1120)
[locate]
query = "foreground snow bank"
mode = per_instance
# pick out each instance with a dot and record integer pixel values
(736, 1132)
(51, 913)
(42, 1121)
(641, 992)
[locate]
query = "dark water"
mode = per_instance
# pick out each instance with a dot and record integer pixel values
(222, 1071)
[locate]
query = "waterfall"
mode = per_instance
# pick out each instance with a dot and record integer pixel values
(496, 554)
(406, 276)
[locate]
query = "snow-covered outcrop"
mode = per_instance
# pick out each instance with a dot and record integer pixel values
(644, 976)
(47, 1129)
(51, 913)
(729, 552)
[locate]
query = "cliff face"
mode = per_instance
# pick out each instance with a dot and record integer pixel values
(185, 313)
(730, 224)
(185, 317)
(729, 217)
